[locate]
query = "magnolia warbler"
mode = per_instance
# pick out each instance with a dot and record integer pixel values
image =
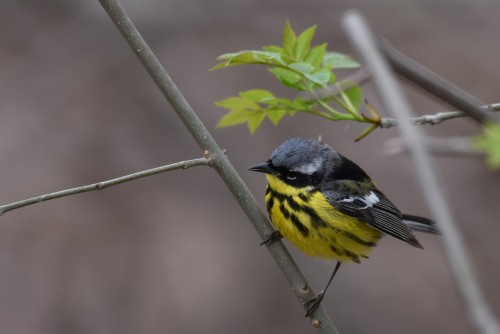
(328, 207)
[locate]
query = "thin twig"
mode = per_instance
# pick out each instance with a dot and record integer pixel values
(104, 184)
(480, 313)
(219, 161)
(435, 118)
(362, 76)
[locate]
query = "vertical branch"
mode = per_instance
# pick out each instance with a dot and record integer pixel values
(391, 94)
(217, 158)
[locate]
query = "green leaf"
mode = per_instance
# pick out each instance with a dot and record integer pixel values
(233, 59)
(268, 58)
(255, 120)
(289, 39)
(321, 77)
(237, 103)
(273, 48)
(279, 103)
(303, 68)
(300, 104)
(233, 117)
(275, 115)
(249, 57)
(355, 96)
(258, 95)
(287, 77)
(489, 143)
(304, 43)
(299, 65)
(339, 60)
(316, 55)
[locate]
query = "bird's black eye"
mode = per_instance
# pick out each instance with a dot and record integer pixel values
(292, 178)
(289, 175)
(296, 179)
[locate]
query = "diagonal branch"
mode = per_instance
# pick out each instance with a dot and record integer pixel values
(103, 184)
(219, 161)
(434, 84)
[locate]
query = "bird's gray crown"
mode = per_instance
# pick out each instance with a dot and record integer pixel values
(305, 156)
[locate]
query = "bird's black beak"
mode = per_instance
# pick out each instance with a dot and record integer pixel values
(262, 168)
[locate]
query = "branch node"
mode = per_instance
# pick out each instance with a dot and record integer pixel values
(315, 323)
(99, 186)
(208, 156)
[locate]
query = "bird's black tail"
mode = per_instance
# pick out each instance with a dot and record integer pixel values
(420, 224)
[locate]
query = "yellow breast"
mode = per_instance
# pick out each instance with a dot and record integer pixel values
(305, 218)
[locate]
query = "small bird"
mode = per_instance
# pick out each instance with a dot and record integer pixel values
(328, 207)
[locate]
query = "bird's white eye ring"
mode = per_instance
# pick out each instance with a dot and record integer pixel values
(291, 177)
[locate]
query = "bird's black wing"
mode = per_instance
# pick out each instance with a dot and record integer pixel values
(370, 206)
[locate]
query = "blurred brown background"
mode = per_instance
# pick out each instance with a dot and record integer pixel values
(174, 253)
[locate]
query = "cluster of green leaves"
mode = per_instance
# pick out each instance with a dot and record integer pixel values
(489, 143)
(300, 66)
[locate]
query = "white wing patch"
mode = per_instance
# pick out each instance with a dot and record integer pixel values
(369, 200)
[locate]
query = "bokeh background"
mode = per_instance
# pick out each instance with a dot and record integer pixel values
(174, 253)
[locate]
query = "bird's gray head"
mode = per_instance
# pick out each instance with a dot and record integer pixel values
(301, 162)
(304, 156)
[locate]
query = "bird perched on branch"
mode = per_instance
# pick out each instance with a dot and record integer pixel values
(328, 207)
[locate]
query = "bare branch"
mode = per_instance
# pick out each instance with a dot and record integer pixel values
(435, 118)
(104, 184)
(362, 75)
(219, 161)
(361, 37)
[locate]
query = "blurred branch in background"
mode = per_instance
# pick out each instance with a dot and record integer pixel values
(447, 146)
(392, 96)
(218, 159)
(104, 184)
